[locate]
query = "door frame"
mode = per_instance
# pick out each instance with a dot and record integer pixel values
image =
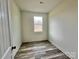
(10, 25)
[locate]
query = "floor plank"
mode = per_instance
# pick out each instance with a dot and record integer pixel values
(39, 50)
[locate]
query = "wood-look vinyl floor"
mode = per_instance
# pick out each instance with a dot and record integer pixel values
(39, 50)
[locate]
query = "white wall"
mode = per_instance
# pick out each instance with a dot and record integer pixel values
(63, 27)
(28, 28)
(15, 26)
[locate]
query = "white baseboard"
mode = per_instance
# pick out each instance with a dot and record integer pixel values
(70, 55)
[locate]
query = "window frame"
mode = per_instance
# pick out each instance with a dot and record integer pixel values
(41, 24)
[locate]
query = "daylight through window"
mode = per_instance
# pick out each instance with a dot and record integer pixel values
(38, 24)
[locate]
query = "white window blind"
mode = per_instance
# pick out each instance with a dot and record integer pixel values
(38, 24)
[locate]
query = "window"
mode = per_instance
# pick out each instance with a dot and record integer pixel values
(38, 24)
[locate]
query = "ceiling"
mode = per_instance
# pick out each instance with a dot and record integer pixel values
(37, 5)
